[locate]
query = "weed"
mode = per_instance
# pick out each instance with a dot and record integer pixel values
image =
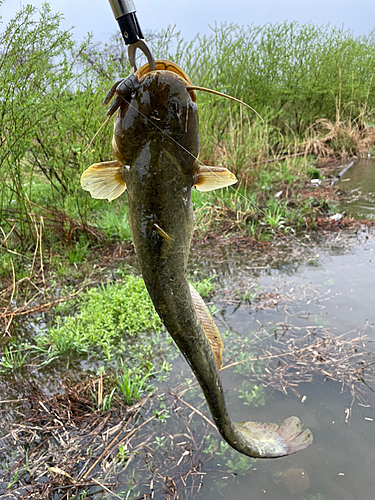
(233, 461)
(79, 251)
(253, 395)
(113, 220)
(160, 441)
(43, 158)
(246, 296)
(106, 316)
(162, 416)
(122, 454)
(107, 400)
(205, 287)
(13, 359)
(274, 218)
(133, 385)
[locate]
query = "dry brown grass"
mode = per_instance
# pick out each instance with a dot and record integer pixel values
(339, 139)
(67, 449)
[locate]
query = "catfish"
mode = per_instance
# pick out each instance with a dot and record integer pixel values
(156, 145)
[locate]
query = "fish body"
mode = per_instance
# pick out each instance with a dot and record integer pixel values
(155, 144)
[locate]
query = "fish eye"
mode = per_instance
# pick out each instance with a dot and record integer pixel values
(133, 94)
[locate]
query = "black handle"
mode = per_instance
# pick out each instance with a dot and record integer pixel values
(124, 12)
(129, 27)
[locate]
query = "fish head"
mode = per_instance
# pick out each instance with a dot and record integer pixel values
(156, 139)
(162, 110)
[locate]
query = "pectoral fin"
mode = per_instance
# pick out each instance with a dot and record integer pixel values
(210, 178)
(104, 180)
(209, 327)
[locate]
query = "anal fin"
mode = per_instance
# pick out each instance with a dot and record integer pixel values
(209, 327)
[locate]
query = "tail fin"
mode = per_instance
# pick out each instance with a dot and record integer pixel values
(271, 441)
(295, 438)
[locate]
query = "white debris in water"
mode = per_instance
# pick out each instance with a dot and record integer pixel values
(336, 217)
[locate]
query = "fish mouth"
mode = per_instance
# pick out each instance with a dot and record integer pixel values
(164, 65)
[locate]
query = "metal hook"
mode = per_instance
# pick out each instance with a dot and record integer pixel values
(141, 45)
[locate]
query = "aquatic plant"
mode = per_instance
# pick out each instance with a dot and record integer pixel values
(13, 358)
(232, 461)
(252, 394)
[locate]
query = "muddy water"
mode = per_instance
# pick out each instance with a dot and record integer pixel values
(330, 287)
(359, 183)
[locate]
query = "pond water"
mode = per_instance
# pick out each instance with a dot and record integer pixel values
(294, 295)
(359, 182)
(290, 293)
(330, 287)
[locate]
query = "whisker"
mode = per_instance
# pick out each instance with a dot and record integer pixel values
(215, 92)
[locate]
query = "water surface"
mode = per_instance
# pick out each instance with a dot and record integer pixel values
(359, 182)
(278, 295)
(330, 287)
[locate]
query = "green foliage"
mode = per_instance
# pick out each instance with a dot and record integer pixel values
(13, 358)
(123, 454)
(49, 110)
(295, 73)
(78, 251)
(132, 385)
(51, 90)
(234, 462)
(107, 316)
(113, 219)
(204, 287)
(252, 394)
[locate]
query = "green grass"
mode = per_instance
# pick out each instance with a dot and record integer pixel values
(113, 323)
(113, 220)
(282, 202)
(13, 358)
(108, 317)
(133, 385)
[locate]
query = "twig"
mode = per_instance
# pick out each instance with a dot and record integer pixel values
(195, 410)
(43, 307)
(105, 488)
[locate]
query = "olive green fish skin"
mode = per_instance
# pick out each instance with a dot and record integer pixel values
(159, 185)
(159, 181)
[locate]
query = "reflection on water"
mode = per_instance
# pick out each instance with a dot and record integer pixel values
(359, 182)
